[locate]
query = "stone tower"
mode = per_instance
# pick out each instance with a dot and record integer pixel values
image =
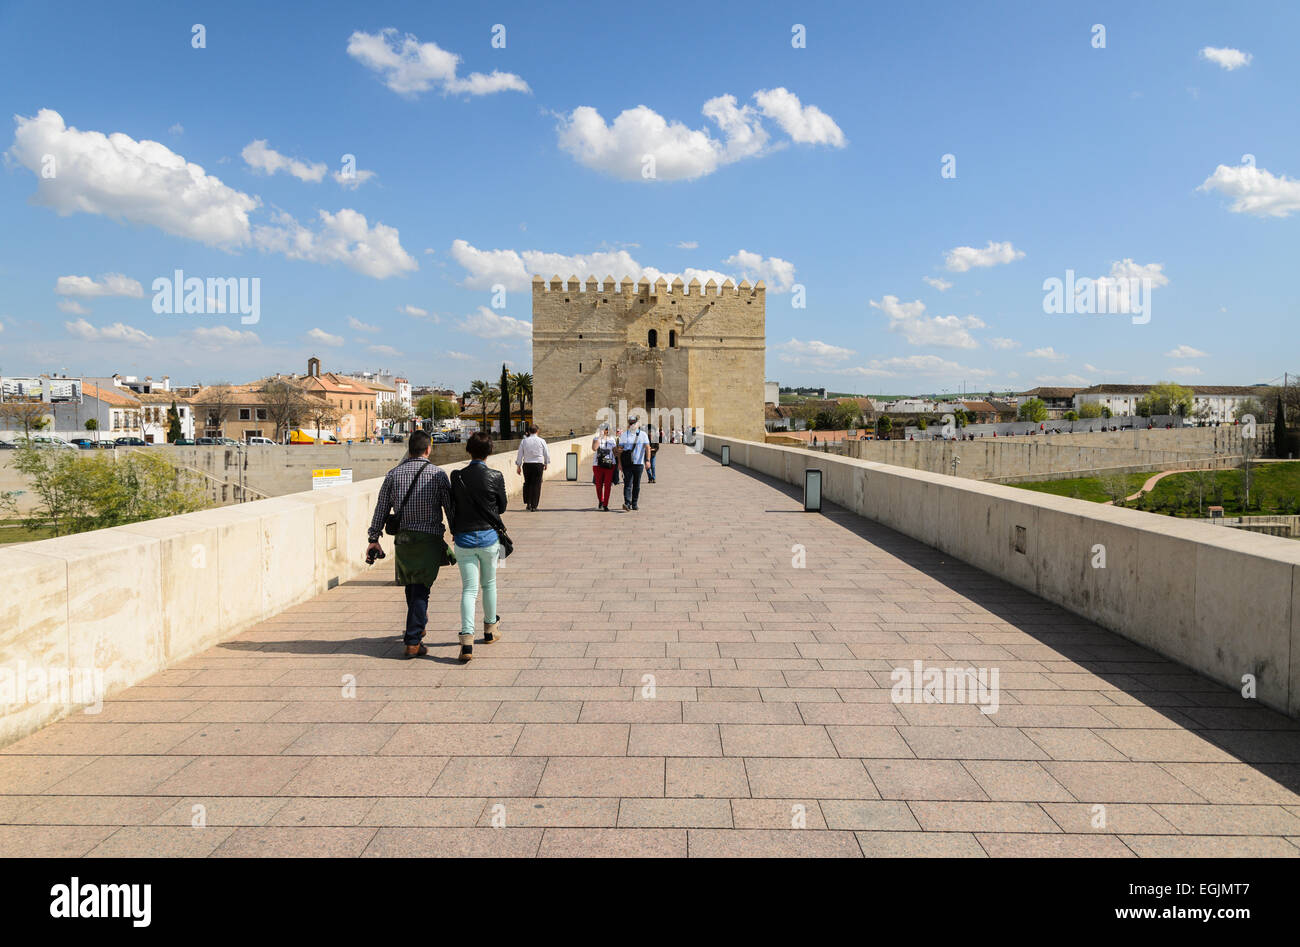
(679, 355)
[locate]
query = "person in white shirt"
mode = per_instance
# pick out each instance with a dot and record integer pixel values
(633, 449)
(532, 460)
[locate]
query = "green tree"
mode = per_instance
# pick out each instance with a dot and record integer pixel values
(504, 412)
(1089, 410)
(482, 390)
(424, 407)
(1033, 410)
(443, 408)
(923, 422)
(173, 424)
(92, 425)
(522, 384)
(1071, 416)
(886, 425)
(1166, 398)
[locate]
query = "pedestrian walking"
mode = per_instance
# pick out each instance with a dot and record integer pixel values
(413, 500)
(604, 462)
(652, 449)
(633, 447)
(618, 436)
(531, 460)
(478, 500)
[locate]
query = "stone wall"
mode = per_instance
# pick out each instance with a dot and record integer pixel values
(1007, 458)
(591, 351)
(131, 600)
(1223, 602)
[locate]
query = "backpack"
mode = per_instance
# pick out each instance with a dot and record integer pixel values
(605, 457)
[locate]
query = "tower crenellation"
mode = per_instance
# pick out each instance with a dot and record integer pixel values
(626, 286)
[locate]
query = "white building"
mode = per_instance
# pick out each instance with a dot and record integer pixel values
(1210, 403)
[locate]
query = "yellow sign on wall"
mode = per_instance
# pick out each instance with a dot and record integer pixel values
(330, 477)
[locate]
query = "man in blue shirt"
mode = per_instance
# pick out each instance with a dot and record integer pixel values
(633, 447)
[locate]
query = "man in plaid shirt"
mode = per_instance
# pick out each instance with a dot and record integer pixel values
(422, 492)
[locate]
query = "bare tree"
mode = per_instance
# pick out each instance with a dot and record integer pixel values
(215, 401)
(285, 404)
(28, 415)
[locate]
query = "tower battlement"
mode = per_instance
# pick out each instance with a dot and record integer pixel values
(643, 287)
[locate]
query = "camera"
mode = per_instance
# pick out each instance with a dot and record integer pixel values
(374, 554)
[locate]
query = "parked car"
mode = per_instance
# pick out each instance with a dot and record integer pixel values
(262, 441)
(207, 441)
(8, 445)
(84, 443)
(398, 438)
(183, 442)
(131, 442)
(43, 440)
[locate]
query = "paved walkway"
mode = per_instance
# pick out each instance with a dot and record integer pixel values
(771, 709)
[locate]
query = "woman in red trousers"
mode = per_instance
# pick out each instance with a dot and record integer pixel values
(603, 464)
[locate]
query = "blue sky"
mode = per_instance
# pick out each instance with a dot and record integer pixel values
(821, 175)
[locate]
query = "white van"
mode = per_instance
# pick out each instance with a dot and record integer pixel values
(262, 440)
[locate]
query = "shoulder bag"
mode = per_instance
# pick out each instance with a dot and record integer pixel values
(393, 521)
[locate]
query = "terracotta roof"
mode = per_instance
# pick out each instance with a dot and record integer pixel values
(110, 396)
(1249, 390)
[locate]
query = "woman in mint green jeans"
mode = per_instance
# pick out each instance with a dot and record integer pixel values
(478, 495)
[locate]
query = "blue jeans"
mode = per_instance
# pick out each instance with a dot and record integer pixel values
(477, 567)
(417, 613)
(632, 482)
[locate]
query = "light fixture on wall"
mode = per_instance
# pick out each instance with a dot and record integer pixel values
(812, 491)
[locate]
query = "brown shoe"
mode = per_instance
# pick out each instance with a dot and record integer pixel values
(492, 632)
(466, 648)
(415, 650)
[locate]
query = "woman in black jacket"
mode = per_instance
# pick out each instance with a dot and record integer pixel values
(478, 497)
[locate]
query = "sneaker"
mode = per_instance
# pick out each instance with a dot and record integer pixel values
(627, 508)
(492, 632)
(466, 648)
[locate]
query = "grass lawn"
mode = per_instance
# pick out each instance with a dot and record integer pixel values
(1275, 488)
(1271, 487)
(1083, 488)
(13, 531)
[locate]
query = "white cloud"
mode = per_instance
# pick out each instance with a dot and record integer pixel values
(1185, 351)
(621, 148)
(806, 124)
(1186, 370)
(939, 283)
(1047, 352)
(514, 270)
(915, 365)
(258, 156)
(961, 259)
(117, 332)
(688, 245)
(410, 67)
(223, 336)
(776, 274)
(73, 307)
(812, 354)
(416, 311)
(141, 182)
(1001, 343)
(919, 329)
(344, 238)
(459, 356)
(359, 326)
(486, 324)
(1255, 191)
(386, 350)
(177, 129)
(321, 337)
(352, 181)
(1126, 278)
(1068, 381)
(1226, 56)
(109, 284)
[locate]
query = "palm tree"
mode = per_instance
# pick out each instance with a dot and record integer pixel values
(522, 383)
(483, 390)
